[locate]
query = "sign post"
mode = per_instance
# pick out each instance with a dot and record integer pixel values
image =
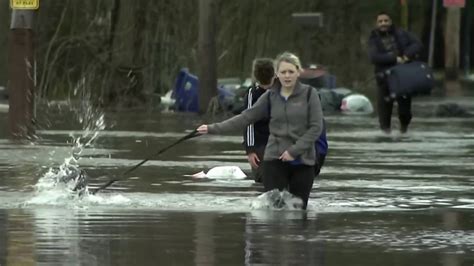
(21, 69)
(24, 4)
(454, 3)
(467, 41)
(307, 21)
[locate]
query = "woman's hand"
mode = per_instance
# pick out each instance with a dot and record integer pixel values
(253, 159)
(286, 157)
(202, 129)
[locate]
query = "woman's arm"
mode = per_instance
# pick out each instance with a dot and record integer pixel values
(255, 113)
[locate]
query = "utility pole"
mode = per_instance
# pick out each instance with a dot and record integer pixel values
(404, 14)
(432, 33)
(467, 40)
(451, 43)
(207, 59)
(21, 69)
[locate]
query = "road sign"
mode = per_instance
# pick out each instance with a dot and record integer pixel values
(308, 19)
(24, 4)
(454, 3)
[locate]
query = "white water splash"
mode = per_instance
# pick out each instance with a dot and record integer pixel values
(55, 187)
(277, 200)
(60, 184)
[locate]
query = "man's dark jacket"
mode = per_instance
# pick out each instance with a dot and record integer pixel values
(407, 44)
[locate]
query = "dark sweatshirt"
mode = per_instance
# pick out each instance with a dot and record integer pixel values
(256, 134)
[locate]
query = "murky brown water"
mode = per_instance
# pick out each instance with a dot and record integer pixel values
(398, 200)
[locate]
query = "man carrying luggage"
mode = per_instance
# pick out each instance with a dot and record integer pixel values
(389, 46)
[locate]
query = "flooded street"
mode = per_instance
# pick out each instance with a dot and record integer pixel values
(380, 200)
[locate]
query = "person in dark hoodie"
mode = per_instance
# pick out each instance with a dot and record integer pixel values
(256, 134)
(296, 120)
(389, 46)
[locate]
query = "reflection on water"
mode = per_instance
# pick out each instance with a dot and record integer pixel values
(52, 236)
(380, 200)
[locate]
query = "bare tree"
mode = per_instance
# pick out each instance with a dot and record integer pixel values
(130, 49)
(127, 54)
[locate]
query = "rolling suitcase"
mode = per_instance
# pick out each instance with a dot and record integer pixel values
(410, 79)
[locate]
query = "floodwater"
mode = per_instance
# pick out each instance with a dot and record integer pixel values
(380, 200)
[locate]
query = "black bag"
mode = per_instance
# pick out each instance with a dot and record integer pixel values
(410, 79)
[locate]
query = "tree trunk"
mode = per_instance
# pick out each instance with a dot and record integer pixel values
(207, 55)
(4, 15)
(404, 14)
(451, 41)
(127, 55)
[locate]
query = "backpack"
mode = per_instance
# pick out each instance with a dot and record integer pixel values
(321, 144)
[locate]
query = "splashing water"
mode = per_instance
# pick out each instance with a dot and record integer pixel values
(91, 119)
(66, 182)
(59, 184)
(69, 181)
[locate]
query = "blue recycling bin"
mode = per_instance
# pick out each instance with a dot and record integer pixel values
(330, 81)
(186, 91)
